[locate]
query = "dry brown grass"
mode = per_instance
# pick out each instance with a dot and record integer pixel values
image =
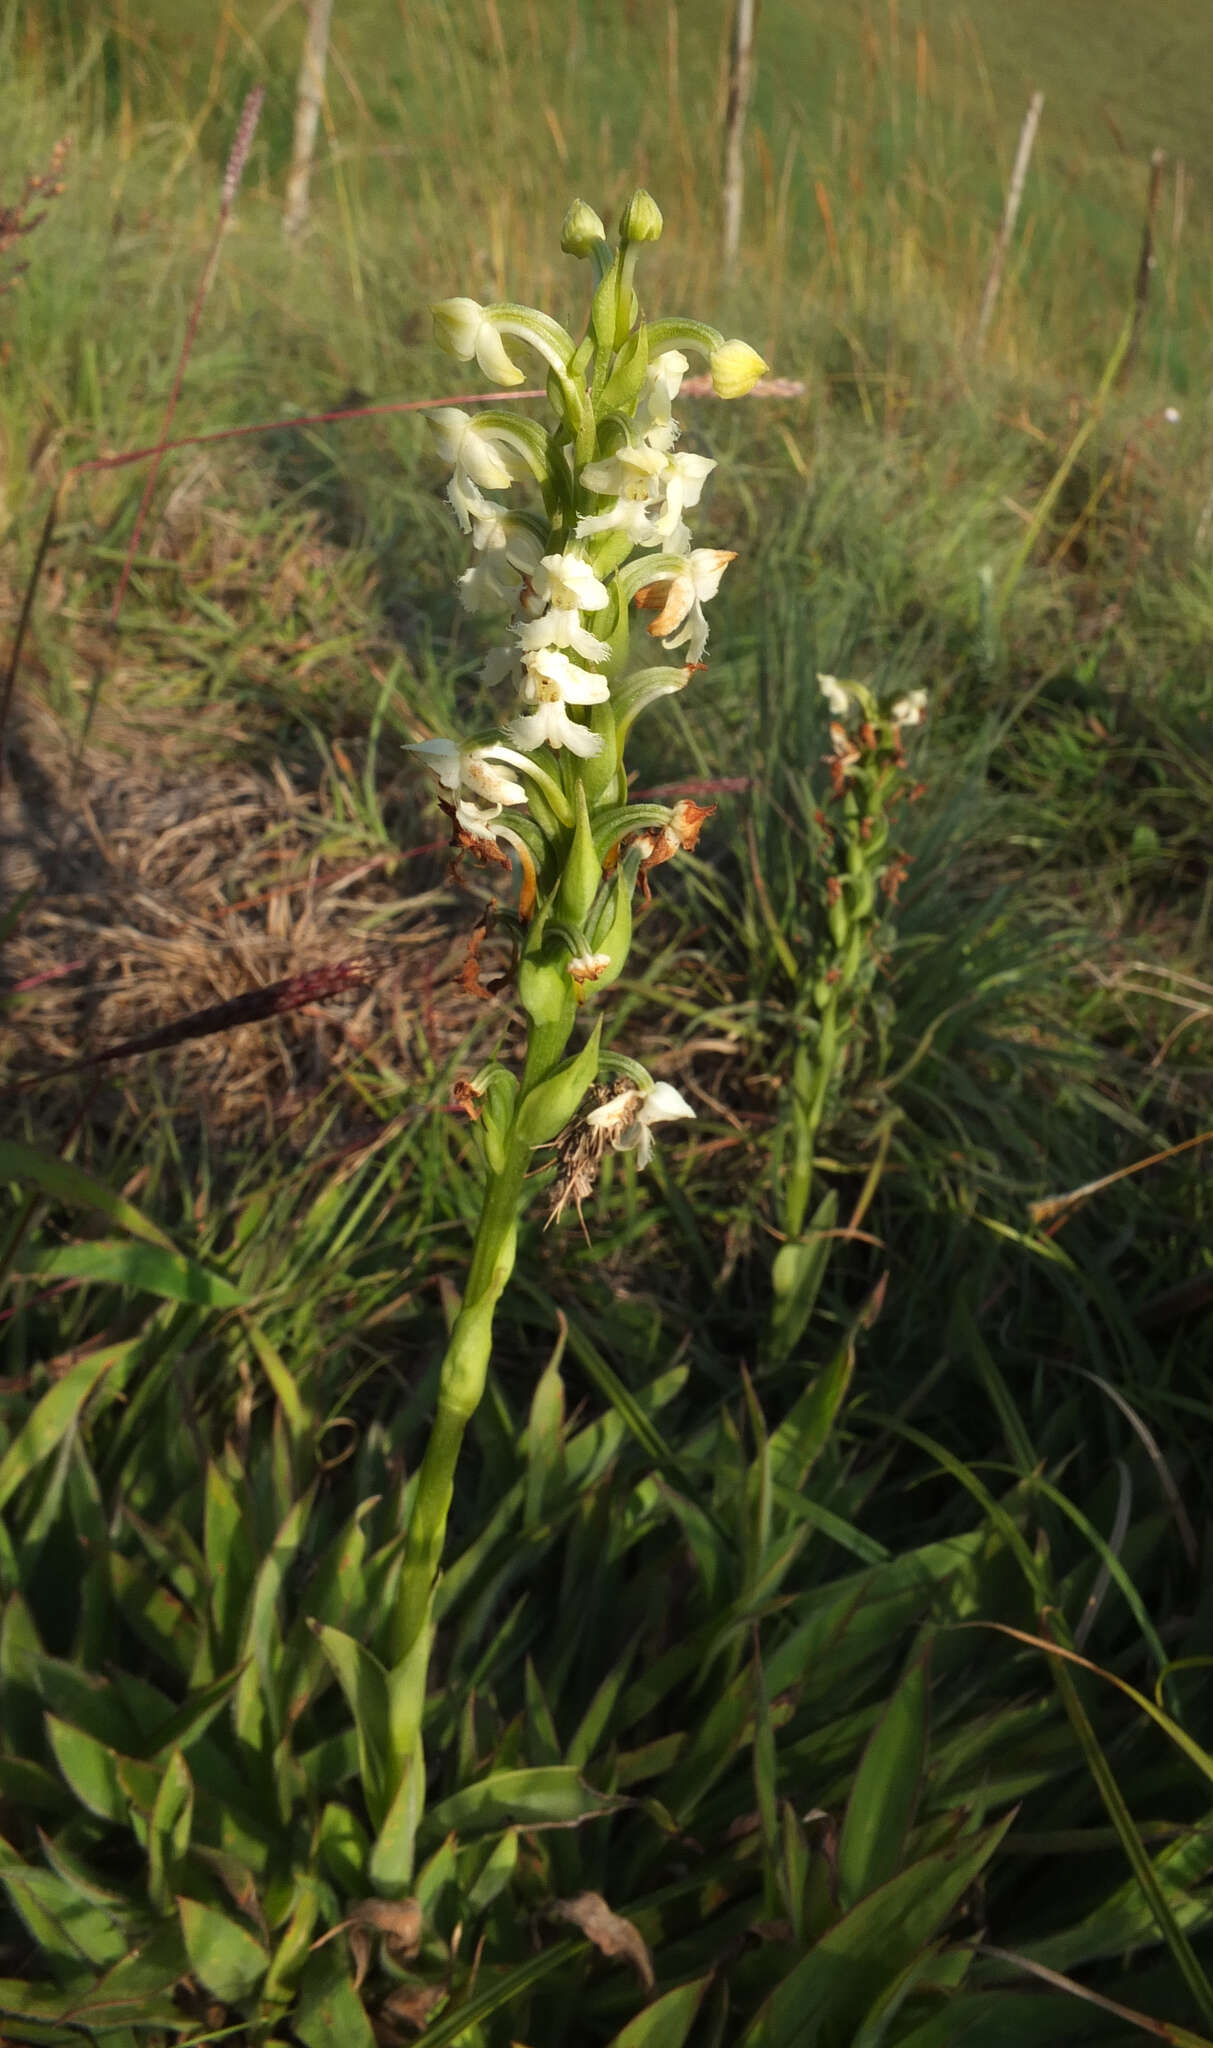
(156, 892)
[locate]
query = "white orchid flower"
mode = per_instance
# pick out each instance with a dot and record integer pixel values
(491, 585)
(635, 478)
(464, 330)
(482, 460)
(680, 621)
(663, 380)
(558, 627)
(684, 480)
(551, 683)
(508, 552)
(567, 585)
(910, 709)
(474, 769)
(569, 582)
(626, 1121)
(501, 664)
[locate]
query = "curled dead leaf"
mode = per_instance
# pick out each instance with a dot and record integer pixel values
(397, 1920)
(610, 1933)
(411, 2004)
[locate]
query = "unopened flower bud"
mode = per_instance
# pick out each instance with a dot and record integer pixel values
(735, 368)
(641, 219)
(581, 229)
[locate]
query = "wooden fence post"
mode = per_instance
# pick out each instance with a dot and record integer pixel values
(309, 98)
(1145, 263)
(1027, 136)
(741, 73)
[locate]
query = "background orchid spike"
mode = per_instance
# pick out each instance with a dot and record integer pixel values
(844, 700)
(611, 480)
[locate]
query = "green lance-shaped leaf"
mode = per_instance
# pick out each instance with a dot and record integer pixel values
(544, 1442)
(612, 934)
(880, 1811)
(54, 1416)
(798, 1441)
(667, 2022)
(77, 1190)
(291, 1952)
(344, 1850)
(230, 1560)
(90, 1768)
(364, 1682)
(582, 869)
(496, 1874)
(623, 386)
(300, 1422)
(856, 1960)
(134, 1992)
(169, 1832)
(391, 1861)
(551, 1795)
(261, 1690)
(796, 1277)
(68, 1925)
(223, 1955)
(551, 1105)
(329, 2012)
(498, 1092)
(148, 1268)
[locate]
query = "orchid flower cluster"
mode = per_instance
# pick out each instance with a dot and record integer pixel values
(543, 794)
(612, 533)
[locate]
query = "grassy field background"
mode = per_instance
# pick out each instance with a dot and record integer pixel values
(209, 794)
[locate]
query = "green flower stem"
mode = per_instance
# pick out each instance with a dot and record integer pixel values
(460, 1387)
(811, 1080)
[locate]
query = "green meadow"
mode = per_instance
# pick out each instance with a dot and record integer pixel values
(852, 1692)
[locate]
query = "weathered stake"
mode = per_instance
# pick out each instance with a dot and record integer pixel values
(741, 74)
(1145, 262)
(1027, 137)
(309, 98)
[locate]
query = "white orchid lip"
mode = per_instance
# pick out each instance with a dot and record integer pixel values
(557, 628)
(551, 682)
(550, 725)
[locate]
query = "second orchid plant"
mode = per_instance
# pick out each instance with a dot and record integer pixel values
(544, 795)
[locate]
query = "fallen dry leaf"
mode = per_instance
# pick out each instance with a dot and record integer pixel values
(608, 1931)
